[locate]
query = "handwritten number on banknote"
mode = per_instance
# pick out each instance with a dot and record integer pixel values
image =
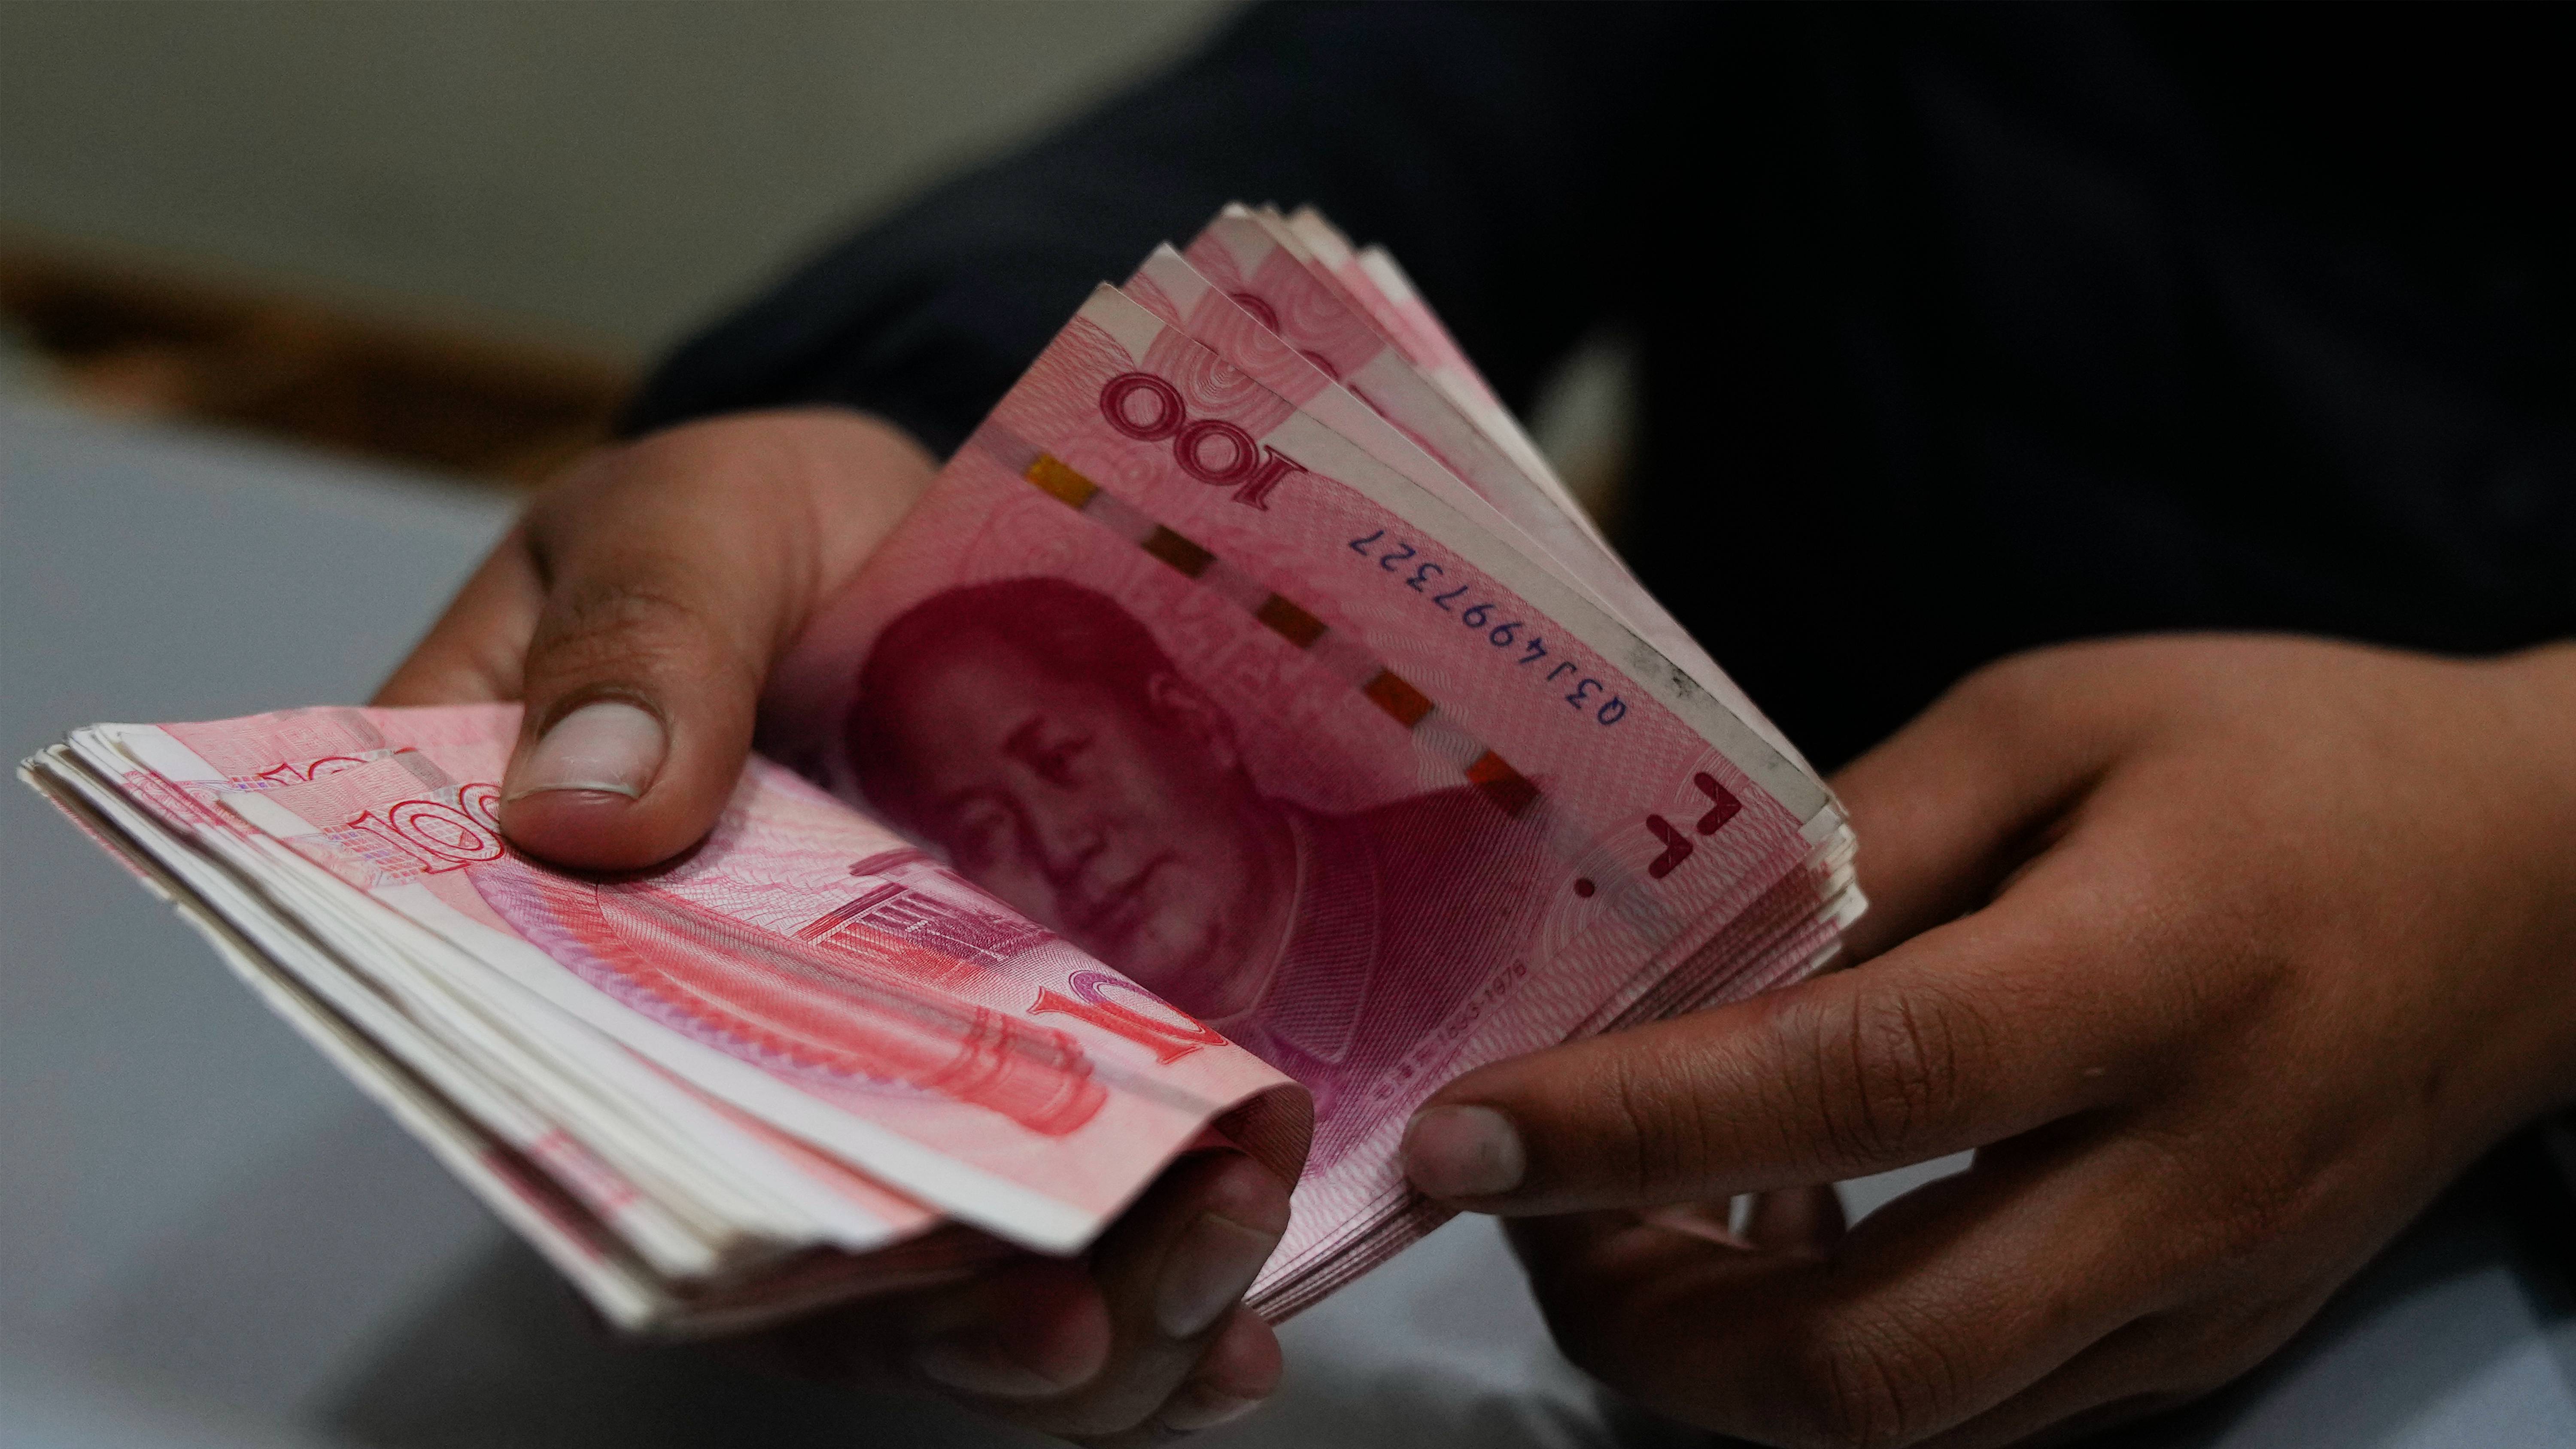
(1505, 634)
(1212, 450)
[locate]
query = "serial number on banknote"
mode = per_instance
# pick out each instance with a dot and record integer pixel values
(1488, 619)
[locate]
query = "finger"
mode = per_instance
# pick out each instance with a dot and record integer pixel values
(1172, 1272)
(1949, 805)
(1239, 1368)
(1709, 1221)
(676, 571)
(1033, 1328)
(2098, 1389)
(1791, 1220)
(472, 654)
(1963, 1036)
(1934, 1310)
(2148, 1367)
(1796, 1220)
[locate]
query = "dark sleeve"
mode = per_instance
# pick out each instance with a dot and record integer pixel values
(1489, 147)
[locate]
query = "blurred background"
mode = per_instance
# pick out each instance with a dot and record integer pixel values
(296, 299)
(451, 233)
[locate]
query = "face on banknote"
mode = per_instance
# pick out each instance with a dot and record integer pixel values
(1244, 736)
(1188, 678)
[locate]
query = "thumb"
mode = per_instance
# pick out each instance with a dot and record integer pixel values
(676, 570)
(1854, 1072)
(640, 684)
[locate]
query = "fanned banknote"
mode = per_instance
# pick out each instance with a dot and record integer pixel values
(1244, 736)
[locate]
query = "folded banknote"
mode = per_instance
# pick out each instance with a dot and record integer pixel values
(1245, 735)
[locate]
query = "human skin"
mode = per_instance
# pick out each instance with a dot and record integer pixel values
(643, 599)
(2224, 953)
(1125, 824)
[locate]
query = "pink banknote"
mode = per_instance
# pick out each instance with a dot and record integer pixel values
(1261, 272)
(1372, 283)
(1169, 287)
(1185, 676)
(1443, 403)
(803, 966)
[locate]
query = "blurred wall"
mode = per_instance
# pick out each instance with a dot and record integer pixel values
(608, 169)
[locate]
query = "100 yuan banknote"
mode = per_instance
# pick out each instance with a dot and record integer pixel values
(803, 965)
(1181, 673)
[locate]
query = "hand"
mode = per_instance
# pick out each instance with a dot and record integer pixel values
(636, 611)
(637, 608)
(2263, 941)
(1144, 1341)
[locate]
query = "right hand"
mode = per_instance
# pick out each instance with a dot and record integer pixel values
(636, 612)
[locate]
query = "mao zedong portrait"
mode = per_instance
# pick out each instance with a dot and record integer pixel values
(1037, 733)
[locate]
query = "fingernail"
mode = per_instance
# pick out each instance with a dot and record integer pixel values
(608, 746)
(969, 1363)
(1195, 1408)
(1208, 1273)
(1463, 1152)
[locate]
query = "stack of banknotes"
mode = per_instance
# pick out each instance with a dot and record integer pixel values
(1245, 735)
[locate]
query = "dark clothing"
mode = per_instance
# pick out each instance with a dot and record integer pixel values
(1964, 329)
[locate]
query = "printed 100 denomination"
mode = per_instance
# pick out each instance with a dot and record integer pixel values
(1184, 675)
(802, 965)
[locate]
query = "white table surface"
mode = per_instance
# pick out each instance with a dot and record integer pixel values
(207, 1239)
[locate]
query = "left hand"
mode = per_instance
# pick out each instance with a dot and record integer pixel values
(647, 593)
(2264, 940)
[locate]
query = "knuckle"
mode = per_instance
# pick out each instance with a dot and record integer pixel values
(1652, 1138)
(620, 626)
(1868, 1383)
(2265, 1206)
(2193, 1354)
(2255, 1213)
(1898, 1065)
(2255, 1217)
